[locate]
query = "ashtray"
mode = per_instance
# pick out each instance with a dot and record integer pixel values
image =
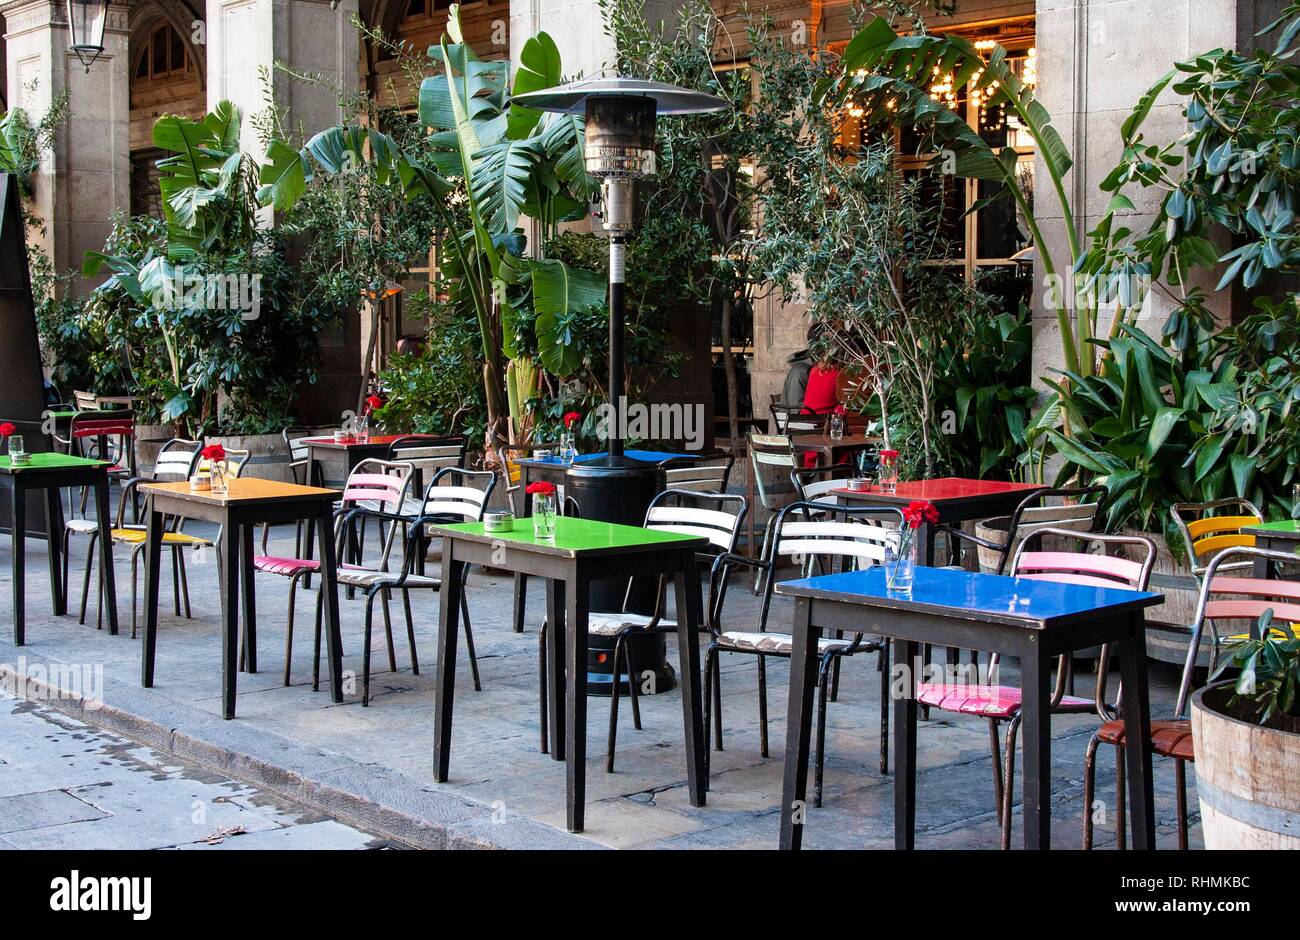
(200, 484)
(20, 460)
(543, 454)
(498, 522)
(859, 484)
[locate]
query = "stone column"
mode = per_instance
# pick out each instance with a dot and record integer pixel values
(315, 37)
(87, 174)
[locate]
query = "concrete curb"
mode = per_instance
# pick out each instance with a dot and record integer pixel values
(364, 794)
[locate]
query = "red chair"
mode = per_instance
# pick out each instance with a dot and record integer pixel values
(1223, 599)
(1001, 704)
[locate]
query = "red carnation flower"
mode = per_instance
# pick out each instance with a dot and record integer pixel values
(374, 403)
(889, 454)
(839, 410)
(570, 417)
(214, 452)
(7, 428)
(540, 488)
(920, 511)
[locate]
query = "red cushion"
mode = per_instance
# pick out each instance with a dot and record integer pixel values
(285, 566)
(992, 701)
(1168, 738)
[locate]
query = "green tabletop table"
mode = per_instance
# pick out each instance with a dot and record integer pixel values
(582, 551)
(1283, 536)
(51, 472)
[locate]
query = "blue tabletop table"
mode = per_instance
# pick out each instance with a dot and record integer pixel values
(1034, 620)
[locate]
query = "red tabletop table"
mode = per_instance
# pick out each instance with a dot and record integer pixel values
(956, 499)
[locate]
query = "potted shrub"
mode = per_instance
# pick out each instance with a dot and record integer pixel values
(1247, 738)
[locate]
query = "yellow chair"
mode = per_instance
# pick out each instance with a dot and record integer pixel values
(1210, 527)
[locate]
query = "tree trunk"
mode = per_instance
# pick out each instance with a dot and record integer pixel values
(729, 367)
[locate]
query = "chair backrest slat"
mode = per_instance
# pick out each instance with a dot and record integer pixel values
(1210, 527)
(451, 493)
(1120, 571)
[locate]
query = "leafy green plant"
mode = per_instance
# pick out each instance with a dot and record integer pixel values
(1269, 677)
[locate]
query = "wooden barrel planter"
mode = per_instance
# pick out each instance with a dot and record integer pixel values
(268, 456)
(149, 439)
(1247, 776)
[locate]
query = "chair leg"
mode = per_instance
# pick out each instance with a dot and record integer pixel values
(1089, 788)
(996, 747)
(135, 578)
(633, 683)
(176, 584)
(620, 651)
(823, 682)
(469, 643)
(762, 705)
(709, 655)
(288, 632)
(410, 631)
(882, 664)
(1009, 782)
(85, 584)
(835, 672)
(1180, 795)
(1121, 807)
(185, 582)
(521, 600)
(66, 565)
(717, 696)
(542, 687)
(315, 660)
(388, 630)
(767, 538)
(365, 655)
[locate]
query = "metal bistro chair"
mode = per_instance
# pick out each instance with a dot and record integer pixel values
(427, 455)
(1222, 598)
(705, 475)
(791, 419)
(1206, 532)
(857, 540)
(449, 497)
(716, 517)
(771, 460)
(375, 480)
(102, 435)
(176, 461)
(1001, 704)
(1077, 509)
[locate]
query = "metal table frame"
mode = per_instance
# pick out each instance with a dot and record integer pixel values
(249, 503)
(823, 604)
(569, 573)
(51, 472)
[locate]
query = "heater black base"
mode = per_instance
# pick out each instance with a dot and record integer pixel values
(649, 656)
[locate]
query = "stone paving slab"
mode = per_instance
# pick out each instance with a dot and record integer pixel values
(372, 766)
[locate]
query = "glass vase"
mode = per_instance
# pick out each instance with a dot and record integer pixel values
(543, 516)
(362, 429)
(219, 478)
(837, 427)
(900, 563)
(16, 450)
(888, 474)
(568, 449)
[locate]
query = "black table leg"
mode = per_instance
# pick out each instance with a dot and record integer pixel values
(329, 587)
(803, 680)
(690, 614)
(106, 552)
(18, 532)
(908, 655)
(1036, 717)
(152, 561)
(453, 573)
(230, 554)
(249, 657)
(54, 540)
(575, 710)
(555, 672)
(1137, 722)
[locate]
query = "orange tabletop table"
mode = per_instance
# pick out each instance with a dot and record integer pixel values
(247, 503)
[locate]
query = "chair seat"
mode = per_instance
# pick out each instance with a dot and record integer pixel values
(82, 526)
(611, 624)
(275, 564)
(1168, 738)
(132, 536)
(991, 701)
(353, 576)
(779, 643)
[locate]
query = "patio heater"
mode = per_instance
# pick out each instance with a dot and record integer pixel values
(620, 116)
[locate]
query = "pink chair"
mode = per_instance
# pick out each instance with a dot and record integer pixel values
(1001, 704)
(372, 482)
(1224, 600)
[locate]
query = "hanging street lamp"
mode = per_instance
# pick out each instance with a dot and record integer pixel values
(86, 22)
